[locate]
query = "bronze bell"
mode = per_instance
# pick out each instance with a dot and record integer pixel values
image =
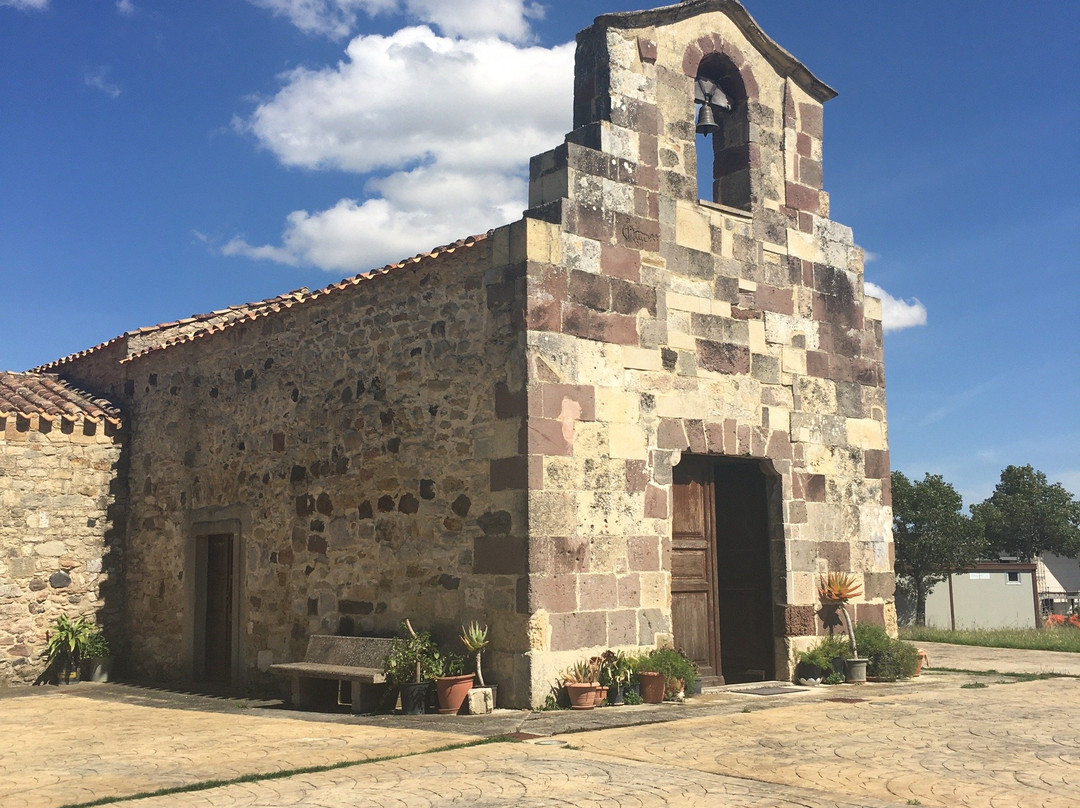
(706, 123)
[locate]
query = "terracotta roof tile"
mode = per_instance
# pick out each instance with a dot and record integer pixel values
(46, 396)
(200, 325)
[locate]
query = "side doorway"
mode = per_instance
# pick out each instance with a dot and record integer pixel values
(721, 578)
(215, 616)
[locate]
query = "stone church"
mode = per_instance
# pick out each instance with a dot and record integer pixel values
(634, 416)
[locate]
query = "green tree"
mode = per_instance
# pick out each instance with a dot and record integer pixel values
(1027, 516)
(932, 536)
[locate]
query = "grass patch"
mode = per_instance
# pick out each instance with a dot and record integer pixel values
(1030, 639)
(206, 785)
(973, 685)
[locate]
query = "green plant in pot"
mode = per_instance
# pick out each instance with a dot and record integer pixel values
(820, 660)
(97, 656)
(616, 669)
(678, 672)
(581, 682)
(452, 683)
(475, 639)
(67, 644)
(836, 589)
(411, 665)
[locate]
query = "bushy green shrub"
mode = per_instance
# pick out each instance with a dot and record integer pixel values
(889, 659)
(673, 664)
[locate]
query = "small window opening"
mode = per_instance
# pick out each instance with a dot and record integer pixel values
(1013, 577)
(722, 134)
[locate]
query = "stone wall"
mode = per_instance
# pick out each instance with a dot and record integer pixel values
(659, 324)
(351, 440)
(58, 494)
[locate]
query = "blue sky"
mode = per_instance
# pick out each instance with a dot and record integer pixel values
(159, 159)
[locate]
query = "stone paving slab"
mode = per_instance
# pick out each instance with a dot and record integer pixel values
(519, 775)
(1011, 745)
(71, 748)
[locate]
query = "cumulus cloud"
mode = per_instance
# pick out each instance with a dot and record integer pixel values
(125, 8)
(450, 124)
(98, 79)
(471, 18)
(26, 5)
(897, 314)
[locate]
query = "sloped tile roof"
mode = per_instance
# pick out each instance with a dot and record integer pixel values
(46, 396)
(142, 341)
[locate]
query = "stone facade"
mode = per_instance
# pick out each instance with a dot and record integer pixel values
(58, 494)
(499, 430)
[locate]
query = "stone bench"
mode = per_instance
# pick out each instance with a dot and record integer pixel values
(331, 661)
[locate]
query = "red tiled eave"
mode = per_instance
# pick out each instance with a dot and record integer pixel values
(217, 321)
(46, 396)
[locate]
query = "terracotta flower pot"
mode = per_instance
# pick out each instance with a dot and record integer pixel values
(601, 694)
(582, 695)
(652, 687)
(452, 691)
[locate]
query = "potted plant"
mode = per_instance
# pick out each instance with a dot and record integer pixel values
(96, 657)
(665, 674)
(475, 639)
(616, 668)
(410, 666)
(452, 684)
(813, 666)
(836, 589)
(580, 680)
(66, 646)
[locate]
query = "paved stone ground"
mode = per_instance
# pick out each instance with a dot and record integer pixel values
(931, 740)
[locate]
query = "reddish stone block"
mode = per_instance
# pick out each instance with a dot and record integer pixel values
(643, 553)
(637, 476)
(692, 60)
(631, 298)
(876, 463)
(589, 290)
(870, 614)
(836, 553)
(714, 438)
(548, 437)
(567, 554)
(866, 372)
(508, 473)
(499, 555)
(803, 144)
(886, 491)
(618, 329)
(731, 432)
(695, 434)
(720, 357)
(797, 512)
(637, 233)
(813, 123)
(575, 321)
(743, 437)
(779, 446)
(671, 435)
(646, 49)
(648, 178)
(630, 591)
(802, 198)
(770, 298)
(597, 591)
(656, 503)
(594, 223)
(620, 262)
(578, 630)
(799, 621)
(753, 92)
(536, 472)
(544, 315)
(758, 442)
(817, 364)
(813, 486)
(554, 397)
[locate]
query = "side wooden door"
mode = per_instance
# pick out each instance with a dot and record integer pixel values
(694, 609)
(218, 625)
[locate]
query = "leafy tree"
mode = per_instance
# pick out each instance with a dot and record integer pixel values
(1027, 516)
(932, 536)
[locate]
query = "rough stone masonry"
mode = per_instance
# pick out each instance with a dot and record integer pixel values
(533, 428)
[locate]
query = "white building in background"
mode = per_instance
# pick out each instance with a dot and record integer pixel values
(1059, 583)
(1000, 594)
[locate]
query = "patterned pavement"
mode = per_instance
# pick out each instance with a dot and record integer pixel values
(930, 742)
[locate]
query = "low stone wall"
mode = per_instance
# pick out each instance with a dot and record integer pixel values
(57, 488)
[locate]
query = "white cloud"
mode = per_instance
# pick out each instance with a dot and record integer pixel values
(125, 8)
(464, 18)
(97, 78)
(26, 5)
(897, 314)
(452, 122)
